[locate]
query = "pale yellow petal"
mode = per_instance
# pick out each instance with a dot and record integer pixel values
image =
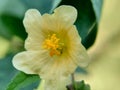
(42, 63)
(77, 50)
(82, 58)
(59, 83)
(34, 43)
(55, 83)
(66, 14)
(32, 23)
(31, 62)
(85, 60)
(49, 24)
(59, 66)
(52, 24)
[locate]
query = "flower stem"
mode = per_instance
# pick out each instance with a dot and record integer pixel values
(73, 81)
(72, 86)
(73, 78)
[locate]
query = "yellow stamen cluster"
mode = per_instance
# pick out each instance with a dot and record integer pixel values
(52, 43)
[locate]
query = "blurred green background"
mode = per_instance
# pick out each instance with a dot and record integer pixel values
(104, 69)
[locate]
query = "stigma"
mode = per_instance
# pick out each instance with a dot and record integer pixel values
(53, 44)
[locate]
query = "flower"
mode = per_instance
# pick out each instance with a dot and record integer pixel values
(53, 46)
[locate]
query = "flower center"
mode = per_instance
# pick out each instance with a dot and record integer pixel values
(53, 44)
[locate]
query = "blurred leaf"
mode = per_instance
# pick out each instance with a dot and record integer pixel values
(55, 4)
(6, 71)
(86, 19)
(4, 32)
(14, 26)
(44, 6)
(90, 38)
(81, 86)
(81, 70)
(22, 82)
(12, 7)
(11, 14)
(97, 5)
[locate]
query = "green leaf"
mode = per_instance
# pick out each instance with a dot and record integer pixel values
(11, 15)
(86, 22)
(12, 7)
(4, 32)
(91, 36)
(22, 82)
(11, 18)
(44, 6)
(86, 87)
(7, 71)
(97, 5)
(81, 86)
(13, 26)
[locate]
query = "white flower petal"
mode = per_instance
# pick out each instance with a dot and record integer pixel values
(59, 66)
(30, 62)
(59, 83)
(81, 55)
(41, 63)
(53, 24)
(66, 14)
(49, 24)
(32, 23)
(34, 44)
(76, 48)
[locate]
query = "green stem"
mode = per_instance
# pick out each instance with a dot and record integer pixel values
(72, 86)
(73, 81)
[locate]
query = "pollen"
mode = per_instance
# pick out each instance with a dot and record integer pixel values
(53, 44)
